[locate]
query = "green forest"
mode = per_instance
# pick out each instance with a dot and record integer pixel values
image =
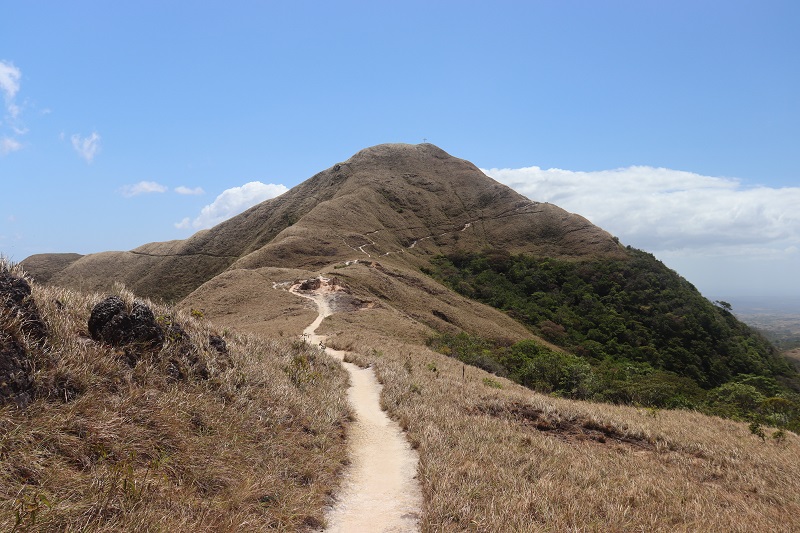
(629, 331)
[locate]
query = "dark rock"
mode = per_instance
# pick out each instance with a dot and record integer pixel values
(218, 343)
(13, 289)
(111, 323)
(16, 383)
(175, 370)
(442, 316)
(66, 388)
(103, 313)
(144, 325)
(15, 296)
(175, 333)
(128, 356)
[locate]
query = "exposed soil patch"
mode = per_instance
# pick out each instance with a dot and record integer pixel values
(338, 295)
(579, 429)
(344, 302)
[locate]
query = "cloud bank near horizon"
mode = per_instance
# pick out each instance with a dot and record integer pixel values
(659, 209)
(231, 202)
(722, 235)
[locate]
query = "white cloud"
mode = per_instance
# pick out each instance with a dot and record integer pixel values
(143, 187)
(232, 202)
(9, 86)
(703, 224)
(186, 223)
(8, 145)
(87, 147)
(9, 80)
(662, 209)
(189, 191)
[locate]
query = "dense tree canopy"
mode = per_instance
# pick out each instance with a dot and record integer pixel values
(631, 330)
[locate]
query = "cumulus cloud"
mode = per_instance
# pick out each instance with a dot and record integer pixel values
(659, 209)
(143, 187)
(86, 147)
(189, 191)
(232, 202)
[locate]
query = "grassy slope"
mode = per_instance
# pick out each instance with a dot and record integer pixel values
(508, 459)
(251, 450)
(256, 446)
(498, 457)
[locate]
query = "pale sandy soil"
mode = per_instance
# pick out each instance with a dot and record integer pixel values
(380, 492)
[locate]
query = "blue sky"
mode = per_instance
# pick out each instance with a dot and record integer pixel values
(674, 125)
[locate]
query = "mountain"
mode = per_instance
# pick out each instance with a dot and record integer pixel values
(384, 218)
(408, 201)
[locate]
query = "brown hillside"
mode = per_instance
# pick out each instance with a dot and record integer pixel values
(47, 265)
(407, 201)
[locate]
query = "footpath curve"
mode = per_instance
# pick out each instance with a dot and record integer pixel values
(380, 492)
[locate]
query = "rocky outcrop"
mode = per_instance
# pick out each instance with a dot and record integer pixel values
(111, 322)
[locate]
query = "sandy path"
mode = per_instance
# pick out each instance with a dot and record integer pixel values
(380, 491)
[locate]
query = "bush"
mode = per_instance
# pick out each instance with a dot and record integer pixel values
(540, 368)
(735, 400)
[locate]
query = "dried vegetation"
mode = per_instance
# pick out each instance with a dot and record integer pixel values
(497, 457)
(211, 431)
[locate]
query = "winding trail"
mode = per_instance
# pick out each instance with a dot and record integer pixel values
(380, 492)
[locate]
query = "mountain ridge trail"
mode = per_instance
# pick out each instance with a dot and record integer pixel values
(380, 492)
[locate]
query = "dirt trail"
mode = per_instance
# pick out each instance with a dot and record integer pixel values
(380, 492)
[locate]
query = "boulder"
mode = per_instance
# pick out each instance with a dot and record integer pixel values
(218, 343)
(111, 322)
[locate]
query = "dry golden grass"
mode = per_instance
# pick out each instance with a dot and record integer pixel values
(497, 457)
(255, 442)
(246, 301)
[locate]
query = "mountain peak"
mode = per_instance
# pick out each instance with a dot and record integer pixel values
(401, 150)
